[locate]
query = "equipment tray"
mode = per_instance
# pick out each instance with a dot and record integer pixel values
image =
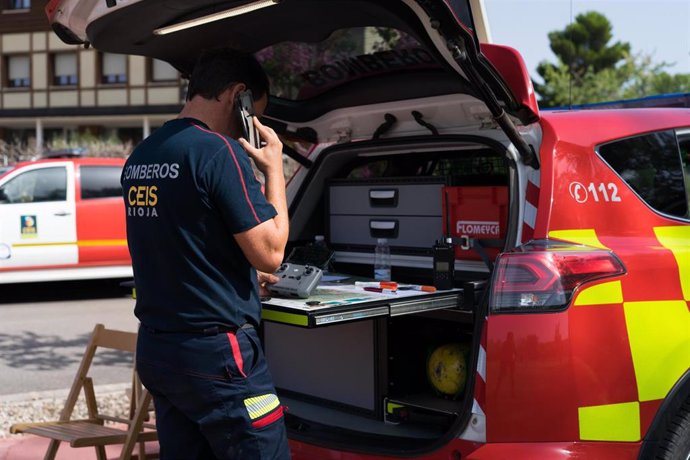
(337, 302)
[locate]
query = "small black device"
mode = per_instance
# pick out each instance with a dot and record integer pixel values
(444, 258)
(444, 265)
(295, 280)
(244, 108)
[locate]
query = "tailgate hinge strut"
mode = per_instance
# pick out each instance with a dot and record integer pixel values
(457, 47)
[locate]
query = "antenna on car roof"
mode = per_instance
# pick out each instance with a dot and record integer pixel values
(570, 69)
(461, 56)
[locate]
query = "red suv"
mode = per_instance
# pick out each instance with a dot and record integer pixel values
(566, 234)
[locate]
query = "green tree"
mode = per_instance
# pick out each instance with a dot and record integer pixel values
(582, 49)
(589, 69)
(583, 45)
(649, 78)
(562, 89)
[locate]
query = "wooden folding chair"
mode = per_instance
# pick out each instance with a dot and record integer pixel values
(92, 432)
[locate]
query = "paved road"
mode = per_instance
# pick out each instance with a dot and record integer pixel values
(44, 329)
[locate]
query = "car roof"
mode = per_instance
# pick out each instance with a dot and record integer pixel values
(595, 127)
(5, 169)
(89, 161)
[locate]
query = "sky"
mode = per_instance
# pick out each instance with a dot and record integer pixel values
(657, 27)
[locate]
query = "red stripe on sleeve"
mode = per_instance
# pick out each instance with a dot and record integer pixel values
(239, 171)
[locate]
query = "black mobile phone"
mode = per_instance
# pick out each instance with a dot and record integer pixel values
(244, 108)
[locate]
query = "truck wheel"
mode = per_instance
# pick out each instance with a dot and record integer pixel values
(676, 442)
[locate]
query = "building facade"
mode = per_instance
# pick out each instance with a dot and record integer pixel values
(52, 93)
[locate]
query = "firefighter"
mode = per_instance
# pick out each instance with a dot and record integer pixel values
(198, 229)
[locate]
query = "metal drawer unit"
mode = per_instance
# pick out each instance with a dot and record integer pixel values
(407, 212)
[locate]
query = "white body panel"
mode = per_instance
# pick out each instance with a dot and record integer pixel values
(42, 233)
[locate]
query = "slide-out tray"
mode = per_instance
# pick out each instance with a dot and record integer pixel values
(341, 302)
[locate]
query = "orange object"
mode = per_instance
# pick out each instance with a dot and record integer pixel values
(418, 287)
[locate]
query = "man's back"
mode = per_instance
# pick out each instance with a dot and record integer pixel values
(187, 190)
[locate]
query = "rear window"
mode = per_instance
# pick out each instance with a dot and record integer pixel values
(478, 167)
(299, 70)
(653, 166)
(100, 182)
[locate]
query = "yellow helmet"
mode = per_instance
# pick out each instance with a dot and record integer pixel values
(447, 368)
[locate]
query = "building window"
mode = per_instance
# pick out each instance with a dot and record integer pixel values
(18, 71)
(18, 4)
(113, 68)
(65, 69)
(162, 71)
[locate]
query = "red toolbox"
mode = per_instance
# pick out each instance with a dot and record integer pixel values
(479, 213)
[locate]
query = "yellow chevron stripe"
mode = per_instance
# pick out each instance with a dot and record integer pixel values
(659, 334)
(610, 422)
(258, 406)
(601, 294)
(677, 240)
(588, 237)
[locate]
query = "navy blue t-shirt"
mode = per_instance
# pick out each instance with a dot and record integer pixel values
(187, 191)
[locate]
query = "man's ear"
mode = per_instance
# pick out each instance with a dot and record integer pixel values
(230, 95)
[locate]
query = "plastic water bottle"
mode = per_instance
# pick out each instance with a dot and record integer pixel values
(382, 260)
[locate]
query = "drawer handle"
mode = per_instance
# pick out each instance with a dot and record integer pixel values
(383, 198)
(383, 228)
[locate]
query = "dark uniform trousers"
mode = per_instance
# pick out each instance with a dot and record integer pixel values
(213, 395)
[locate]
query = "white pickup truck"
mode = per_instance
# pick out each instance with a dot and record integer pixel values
(62, 219)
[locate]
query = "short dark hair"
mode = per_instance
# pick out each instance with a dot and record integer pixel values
(217, 69)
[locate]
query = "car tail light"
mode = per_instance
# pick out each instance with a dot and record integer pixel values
(542, 275)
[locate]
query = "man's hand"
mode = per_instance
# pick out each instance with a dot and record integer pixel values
(265, 279)
(269, 158)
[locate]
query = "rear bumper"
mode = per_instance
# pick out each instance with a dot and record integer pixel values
(558, 451)
(473, 451)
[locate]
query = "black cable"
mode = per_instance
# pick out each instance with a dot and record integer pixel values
(419, 118)
(385, 126)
